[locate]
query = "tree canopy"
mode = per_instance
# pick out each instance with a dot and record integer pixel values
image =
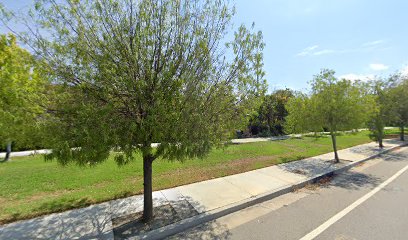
(139, 72)
(398, 95)
(270, 117)
(379, 112)
(333, 104)
(22, 93)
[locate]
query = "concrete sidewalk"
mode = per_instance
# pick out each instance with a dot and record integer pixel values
(189, 204)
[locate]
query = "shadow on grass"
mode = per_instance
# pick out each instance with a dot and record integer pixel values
(59, 205)
(292, 158)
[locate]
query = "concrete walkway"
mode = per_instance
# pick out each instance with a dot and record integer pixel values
(193, 200)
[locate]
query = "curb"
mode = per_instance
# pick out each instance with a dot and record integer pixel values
(189, 223)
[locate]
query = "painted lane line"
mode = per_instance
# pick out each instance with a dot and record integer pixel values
(348, 209)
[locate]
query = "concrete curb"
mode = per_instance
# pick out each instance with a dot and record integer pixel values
(188, 223)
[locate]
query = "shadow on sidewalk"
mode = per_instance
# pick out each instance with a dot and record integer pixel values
(395, 156)
(311, 167)
(131, 225)
(95, 223)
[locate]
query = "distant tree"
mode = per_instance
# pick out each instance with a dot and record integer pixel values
(272, 111)
(21, 94)
(333, 104)
(138, 72)
(398, 95)
(301, 115)
(379, 111)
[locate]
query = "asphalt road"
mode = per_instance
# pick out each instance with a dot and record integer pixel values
(368, 202)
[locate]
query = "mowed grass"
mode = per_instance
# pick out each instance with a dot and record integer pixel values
(29, 186)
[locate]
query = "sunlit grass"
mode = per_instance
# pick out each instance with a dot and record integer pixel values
(30, 186)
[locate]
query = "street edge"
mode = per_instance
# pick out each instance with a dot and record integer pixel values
(189, 223)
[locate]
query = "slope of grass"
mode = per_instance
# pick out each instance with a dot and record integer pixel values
(29, 186)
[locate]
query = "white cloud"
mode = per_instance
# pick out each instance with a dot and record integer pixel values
(323, 52)
(377, 45)
(354, 77)
(314, 51)
(373, 43)
(378, 67)
(307, 51)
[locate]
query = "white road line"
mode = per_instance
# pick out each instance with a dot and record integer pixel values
(348, 209)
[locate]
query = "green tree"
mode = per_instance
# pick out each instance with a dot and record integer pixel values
(139, 72)
(21, 94)
(379, 111)
(398, 95)
(272, 112)
(333, 104)
(301, 117)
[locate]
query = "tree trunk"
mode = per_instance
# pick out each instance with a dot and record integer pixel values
(380, 142)
(402, 134)
(8, 152)
(336, 157)
(147, 187)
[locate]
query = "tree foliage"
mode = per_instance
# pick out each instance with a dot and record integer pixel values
(379, 113)
(398, 95)
(139, 72)
(22, 93)
(333, 104)
(270, 117)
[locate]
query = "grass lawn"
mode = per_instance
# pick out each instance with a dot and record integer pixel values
(30, 186)
(394, 131)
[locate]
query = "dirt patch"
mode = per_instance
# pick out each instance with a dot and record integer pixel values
(323, 182)
(42, 195)
(298, 171)
(391, 136)
(3, 201)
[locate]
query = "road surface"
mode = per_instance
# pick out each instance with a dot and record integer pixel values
(368, 202)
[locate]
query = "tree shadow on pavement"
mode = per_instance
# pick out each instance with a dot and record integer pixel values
(369, 150)
(395, 156)
(209, 230)
(131, 225)
(311, 167)
(169, 216)
(354, 180)
(94, 223)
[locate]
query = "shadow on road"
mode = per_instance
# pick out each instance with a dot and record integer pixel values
(355, 180)
(209, 230)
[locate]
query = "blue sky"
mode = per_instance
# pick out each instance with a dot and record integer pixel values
(356, 38)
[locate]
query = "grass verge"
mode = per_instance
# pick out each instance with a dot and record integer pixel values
(31, 187)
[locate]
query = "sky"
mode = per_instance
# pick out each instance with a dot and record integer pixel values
(359, 39)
